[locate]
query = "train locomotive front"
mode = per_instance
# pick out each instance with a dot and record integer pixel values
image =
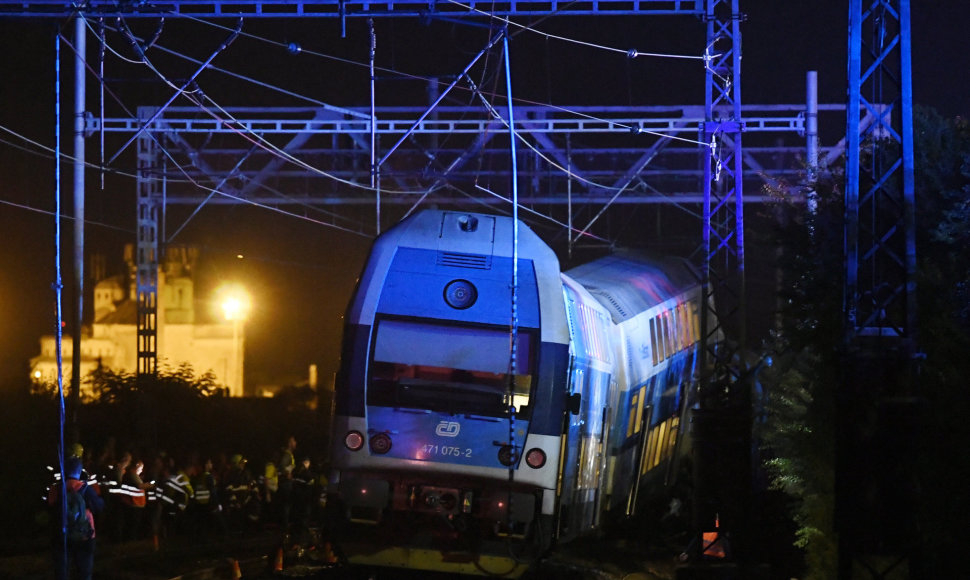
(458, 448)
(446, 439)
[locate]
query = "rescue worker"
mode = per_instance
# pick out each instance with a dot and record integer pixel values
(320, 493)
(176, 492)
(237, 492)
(269, 485)
(303, 486)
(75, 543)
(114, 496)
(287, 465)
(134, 498)
(205, 511)
(74, 451)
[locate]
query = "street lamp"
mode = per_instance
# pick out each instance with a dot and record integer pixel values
(235, 309)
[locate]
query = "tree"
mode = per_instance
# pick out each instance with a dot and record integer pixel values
(797, 430)
(802, 385)
(169, 407)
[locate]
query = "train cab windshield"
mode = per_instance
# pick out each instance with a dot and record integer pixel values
(451, 369)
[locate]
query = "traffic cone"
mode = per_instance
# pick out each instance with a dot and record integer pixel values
(236, 573)
(714, 543)
(278, 565)
(328, 555)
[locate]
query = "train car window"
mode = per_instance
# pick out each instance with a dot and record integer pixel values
(593, 324)
(661, 443)
(453, 369)
(674, 331)
(675, 336)
(632, 425)
(647, 461)
(671, 324)
(653, 339)
(640, 401)
(689, 325)
(672, 442)
(695, 321)
(681, 328)
(668, 346)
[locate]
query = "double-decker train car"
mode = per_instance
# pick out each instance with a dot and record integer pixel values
(476, 423)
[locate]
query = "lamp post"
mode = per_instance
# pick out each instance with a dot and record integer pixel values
(235, 308)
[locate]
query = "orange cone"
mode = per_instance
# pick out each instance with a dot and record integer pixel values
(714, 544)
(236, 573)
(278, 566)
(328, 554)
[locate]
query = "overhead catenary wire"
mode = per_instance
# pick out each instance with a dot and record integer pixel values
(51, 153)
(241, 130)
(425, 192)
(570, 174)
(229, 174)
(566, 110)
(631, 52)
(188, 177)
(514, 314)
(180, 91)
(215, 68)
(161, 146)
(543, 216)
(591, 183)
(58, 292)
(633, 129)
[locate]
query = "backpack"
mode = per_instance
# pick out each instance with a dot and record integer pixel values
(78, 526)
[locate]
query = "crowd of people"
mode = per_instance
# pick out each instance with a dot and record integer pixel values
(160, 496)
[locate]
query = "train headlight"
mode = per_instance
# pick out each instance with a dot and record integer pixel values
(460, 294)
(354, 440)
(506, 455)
(380, 443)
(535, 458)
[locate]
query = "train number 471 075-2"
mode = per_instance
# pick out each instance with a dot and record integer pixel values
(447, 450)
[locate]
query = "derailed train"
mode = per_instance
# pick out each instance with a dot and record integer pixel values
(459, 448)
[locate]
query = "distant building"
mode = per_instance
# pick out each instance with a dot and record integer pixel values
(111, 342)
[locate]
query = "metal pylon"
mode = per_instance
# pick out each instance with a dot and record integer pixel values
(721, 424)
(149, 208)
(876, 486)
(880, 247)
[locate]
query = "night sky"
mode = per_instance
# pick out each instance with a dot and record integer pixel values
(301, 273)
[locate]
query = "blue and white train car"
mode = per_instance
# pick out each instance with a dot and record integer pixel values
(449, 445)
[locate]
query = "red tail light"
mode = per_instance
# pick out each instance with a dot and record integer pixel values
(535, 458)
(353, 440)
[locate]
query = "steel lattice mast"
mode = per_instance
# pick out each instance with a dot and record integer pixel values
(876, 487)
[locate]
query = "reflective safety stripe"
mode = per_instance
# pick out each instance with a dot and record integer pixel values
(175, 492)
(131, 495)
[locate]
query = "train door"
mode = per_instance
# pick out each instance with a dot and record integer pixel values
(591, 445)
(567, 523)
(584, 444)
(681, 445)
(603, 472)
(642, 412)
